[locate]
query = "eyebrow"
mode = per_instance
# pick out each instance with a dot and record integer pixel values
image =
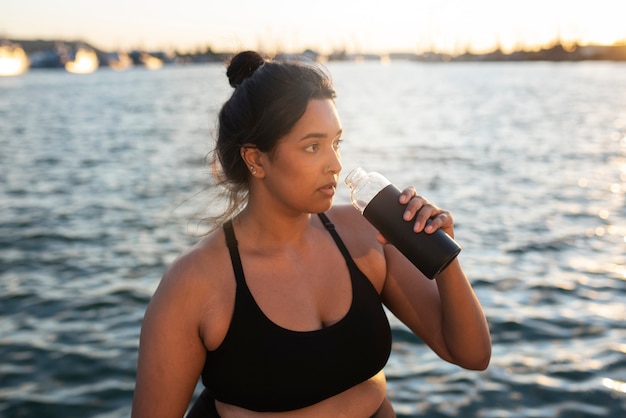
(319, 135)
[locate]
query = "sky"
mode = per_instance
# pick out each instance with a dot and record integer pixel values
(356, 26)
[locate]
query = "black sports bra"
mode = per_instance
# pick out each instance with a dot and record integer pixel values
(263, 367)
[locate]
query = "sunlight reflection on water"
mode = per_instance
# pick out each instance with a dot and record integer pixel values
(104, 182)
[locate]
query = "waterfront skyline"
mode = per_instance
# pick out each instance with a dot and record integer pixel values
(450, 26)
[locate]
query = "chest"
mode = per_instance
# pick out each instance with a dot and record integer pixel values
(300, 291)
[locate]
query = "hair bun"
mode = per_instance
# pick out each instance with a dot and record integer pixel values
(242, 66)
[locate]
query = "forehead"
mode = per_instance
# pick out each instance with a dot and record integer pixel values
(320, 116)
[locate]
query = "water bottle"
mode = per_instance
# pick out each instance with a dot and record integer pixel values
(378, 200)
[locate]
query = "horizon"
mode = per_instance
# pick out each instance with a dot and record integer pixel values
(567, 46)
(401, 26)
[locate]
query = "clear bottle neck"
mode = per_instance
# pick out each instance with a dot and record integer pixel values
(364, 186)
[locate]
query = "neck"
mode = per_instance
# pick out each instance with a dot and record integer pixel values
(271, 228)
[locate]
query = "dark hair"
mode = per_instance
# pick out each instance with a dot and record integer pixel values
(269, 98)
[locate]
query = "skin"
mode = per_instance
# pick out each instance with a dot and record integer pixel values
(282, 243)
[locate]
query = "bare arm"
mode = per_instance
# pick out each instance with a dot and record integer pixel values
(445, 312)
(171, 351)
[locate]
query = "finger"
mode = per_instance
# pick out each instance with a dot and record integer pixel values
(425, 215)
(407, 194)
(413, 207)
(443, 220)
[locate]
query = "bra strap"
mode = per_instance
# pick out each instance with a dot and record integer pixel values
(235, 259)
(231, 242)
(330, 227)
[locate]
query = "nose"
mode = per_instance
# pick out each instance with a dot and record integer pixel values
(334, 162)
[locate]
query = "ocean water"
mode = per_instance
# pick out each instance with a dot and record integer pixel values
(103, 182)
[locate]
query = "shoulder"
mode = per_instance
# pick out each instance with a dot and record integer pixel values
(201, 266)
(350, 221)
(347, 218)
(207, 257)
(198, 281)
(359, 236)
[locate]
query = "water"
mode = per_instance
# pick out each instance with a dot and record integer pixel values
(103, 180)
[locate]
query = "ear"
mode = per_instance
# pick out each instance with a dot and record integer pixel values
(252, 157)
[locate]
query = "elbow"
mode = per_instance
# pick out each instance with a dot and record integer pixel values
(480, 364)
(479, 361)
(478, 356)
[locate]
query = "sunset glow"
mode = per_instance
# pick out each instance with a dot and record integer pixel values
(121, 62)
(151, 63)
(13, 60)
(86, 62)
(451, 26)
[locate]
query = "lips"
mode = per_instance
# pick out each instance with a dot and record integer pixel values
(329, 189)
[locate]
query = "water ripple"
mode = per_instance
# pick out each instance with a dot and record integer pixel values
(103, 180)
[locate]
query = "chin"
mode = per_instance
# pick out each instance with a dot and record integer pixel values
(319, 208)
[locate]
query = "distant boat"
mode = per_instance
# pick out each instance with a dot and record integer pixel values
(85, 62)
(13, 59)
(119, 61)
(151, 62)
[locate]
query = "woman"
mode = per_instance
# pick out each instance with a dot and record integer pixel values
(280, 310)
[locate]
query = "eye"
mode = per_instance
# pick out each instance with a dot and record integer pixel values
(313, 147)
(337, 143)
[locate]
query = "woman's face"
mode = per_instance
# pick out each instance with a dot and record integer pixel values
(303, 171)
